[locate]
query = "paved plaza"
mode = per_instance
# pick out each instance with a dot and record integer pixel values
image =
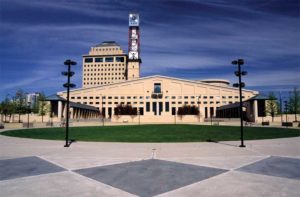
(31, 167)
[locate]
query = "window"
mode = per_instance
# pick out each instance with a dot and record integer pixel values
(157, 88)
(98, 59)
(119, 59)
(154, 108)
(147, 106)
(109, 59)
(88, 60)
(72, 97)
(78, 97)
(141, 110)
(167, 106)
(205, 97)
(173, 111)
(186, 97)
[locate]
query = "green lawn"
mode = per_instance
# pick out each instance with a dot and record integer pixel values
(155, 133)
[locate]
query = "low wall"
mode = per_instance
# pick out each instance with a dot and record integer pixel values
(156, 119)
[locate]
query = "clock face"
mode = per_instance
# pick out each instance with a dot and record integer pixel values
(133, 20)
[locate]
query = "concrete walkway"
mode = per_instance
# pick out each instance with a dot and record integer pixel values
(45, 168)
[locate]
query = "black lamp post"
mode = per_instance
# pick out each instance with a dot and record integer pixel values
(240, 85)
(68, 85)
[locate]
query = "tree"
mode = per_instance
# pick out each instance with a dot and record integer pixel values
(20, 103)
(125, 110)
(188, 110)
(42, 105)
(294, 102)
(6, 108)
(272, 106)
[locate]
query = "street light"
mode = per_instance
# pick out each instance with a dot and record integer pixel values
(240, 85)
(28, 112)
(68, 85)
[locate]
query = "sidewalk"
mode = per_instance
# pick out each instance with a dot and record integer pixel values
(263, 168)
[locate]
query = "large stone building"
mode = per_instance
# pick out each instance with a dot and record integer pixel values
(112, 78)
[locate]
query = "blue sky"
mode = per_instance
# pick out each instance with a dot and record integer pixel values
(185, 39)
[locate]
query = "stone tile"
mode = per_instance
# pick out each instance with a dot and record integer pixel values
(275, 166)
(26, 166)
(149, 177)
(58, 184)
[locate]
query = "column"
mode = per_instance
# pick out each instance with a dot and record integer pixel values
(59, 109)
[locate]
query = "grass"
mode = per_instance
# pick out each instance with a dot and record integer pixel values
(155, 133)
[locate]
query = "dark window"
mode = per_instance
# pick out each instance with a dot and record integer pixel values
(119, 59)
(160, 106)
(72, 97)
(88, 60)
(147, 106)
(154, 108)
(211, 110)
(98, 59)
(167, 106)
(157, 88)
(173, 111)
(109, 112)
(109, 59)
(78, 97)
(141, 111)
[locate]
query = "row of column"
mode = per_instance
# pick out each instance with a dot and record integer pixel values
(76, 113)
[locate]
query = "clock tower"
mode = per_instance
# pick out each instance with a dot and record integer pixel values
(134, 60)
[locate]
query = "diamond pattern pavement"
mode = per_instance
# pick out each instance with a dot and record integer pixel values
(26, 166)
(150, 177)
(275, 166)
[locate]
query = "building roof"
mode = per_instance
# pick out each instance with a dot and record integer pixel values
(235, 105)
(231, 106)
(158, 76)
(259, 97)
(107, 44)
(83, 106)
(215, 81)
(55, 97)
